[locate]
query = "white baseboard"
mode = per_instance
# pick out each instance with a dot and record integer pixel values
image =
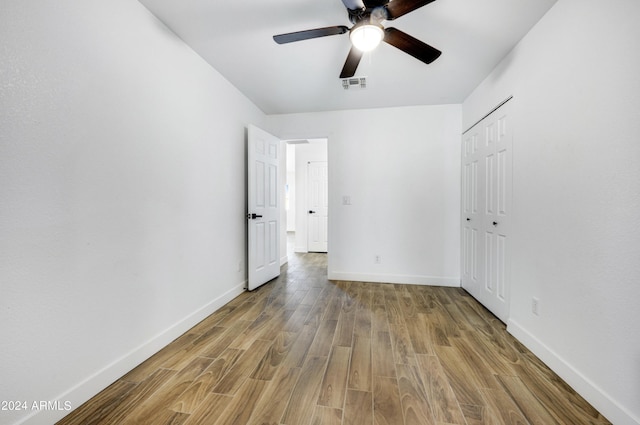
(110, 373)
(396, 278)
(584, 386)
(284, 260)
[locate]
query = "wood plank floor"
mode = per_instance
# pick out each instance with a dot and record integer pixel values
(304, 350)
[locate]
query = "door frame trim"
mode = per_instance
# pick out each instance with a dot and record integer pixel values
(489, 113)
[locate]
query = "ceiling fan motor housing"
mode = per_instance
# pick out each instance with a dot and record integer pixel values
(373, 15)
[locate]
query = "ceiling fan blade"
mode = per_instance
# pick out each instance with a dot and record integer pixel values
(397, 8)
(308, 34)
(410, 45)
(353, 4)
(375, 3)
(351, 64)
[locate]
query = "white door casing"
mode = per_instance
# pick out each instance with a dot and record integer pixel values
(263, 202)
(486, 210)
(318, 206)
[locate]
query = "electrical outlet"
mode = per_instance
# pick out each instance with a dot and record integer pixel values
(535, 306)
(376, 259)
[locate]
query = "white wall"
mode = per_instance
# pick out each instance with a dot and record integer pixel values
(122, 195)
(401, 168)
(282, 181)
(576, 86)
(291, 181)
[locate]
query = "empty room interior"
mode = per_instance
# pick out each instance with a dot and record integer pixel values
(466, 246)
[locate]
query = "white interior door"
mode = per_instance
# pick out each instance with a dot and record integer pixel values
(318, 206)
(263, 218)
(486, 210)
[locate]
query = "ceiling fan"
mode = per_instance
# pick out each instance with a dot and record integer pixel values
(367, 31)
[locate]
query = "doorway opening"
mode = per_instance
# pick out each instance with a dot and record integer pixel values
(306, 196)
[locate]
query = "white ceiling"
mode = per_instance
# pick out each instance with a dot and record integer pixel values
(235, 37)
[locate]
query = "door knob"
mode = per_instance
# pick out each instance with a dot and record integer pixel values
(311, 212)
(253, 216)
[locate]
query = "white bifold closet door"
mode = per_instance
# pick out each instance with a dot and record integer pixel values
(486, 210)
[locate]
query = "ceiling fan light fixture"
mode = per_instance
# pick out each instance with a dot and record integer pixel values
(366, 37)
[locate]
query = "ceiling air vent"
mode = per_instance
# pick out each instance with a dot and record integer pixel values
(354, 83)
